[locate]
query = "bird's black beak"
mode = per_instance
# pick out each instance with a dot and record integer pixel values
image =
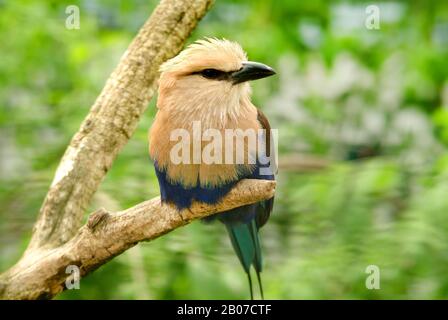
(251, 71)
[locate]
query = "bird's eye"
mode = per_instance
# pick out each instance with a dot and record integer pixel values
(212, 73)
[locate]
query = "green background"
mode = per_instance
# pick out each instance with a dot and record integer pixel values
(373, 103)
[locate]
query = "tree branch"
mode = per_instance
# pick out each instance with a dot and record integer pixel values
(57, 238)
(42, 275)
(302, 163)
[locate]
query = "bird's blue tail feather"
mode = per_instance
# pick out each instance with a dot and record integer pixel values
(246, 243)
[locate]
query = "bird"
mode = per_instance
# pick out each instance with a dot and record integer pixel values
(207, 87)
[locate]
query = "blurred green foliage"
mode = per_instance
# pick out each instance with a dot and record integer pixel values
(372, 102)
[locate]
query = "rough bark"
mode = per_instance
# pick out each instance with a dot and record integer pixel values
(42, 273)
(106, 129)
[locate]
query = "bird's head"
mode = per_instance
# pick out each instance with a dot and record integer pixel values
(209, 73)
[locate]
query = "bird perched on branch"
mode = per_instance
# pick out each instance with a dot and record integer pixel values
(207, 135)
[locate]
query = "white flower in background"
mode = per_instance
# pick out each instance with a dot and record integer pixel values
(365, 108)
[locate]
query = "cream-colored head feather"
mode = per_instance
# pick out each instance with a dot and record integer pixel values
(188, 96)
(210, 53)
